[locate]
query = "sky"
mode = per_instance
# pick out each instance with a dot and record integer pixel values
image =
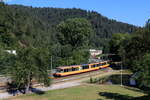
(135, 12)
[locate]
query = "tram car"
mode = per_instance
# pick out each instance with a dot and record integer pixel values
(77, 69)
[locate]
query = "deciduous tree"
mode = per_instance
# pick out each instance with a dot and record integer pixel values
(31, 63)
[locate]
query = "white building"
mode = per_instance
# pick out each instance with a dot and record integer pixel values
(11, 52)
(94, 52)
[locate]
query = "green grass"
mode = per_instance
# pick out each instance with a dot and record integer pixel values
(87, 92)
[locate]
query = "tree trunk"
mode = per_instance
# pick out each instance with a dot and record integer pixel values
(27, 87)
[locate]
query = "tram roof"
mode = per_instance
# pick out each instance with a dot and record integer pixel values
(62, 67)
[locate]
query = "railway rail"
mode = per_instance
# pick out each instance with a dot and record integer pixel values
(66, 78)
(77, 76)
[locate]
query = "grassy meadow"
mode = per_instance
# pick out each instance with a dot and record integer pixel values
(88, 92)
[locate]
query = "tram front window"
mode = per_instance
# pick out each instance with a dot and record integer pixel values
(59, 70)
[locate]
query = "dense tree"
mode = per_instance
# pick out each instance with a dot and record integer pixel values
(117, 41)
(8, 40)
(75, 32)
(134, 50)
(80, 56)
(30, 64)
(137, 46)
(6, 61)
(74, 36)
(143, 67)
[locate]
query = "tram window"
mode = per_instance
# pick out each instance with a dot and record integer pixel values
(70, 69)
(85, 67)
(60, 70)
(75, 69)
(93, 66)
(100, 64)
(97, 65)
(104, 63)
(65, 70)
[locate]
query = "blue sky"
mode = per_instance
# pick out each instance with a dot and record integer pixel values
(134, 12)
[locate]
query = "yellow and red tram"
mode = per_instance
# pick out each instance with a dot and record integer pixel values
(77, 69)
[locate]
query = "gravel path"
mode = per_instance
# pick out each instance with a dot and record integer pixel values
(60, 86)
(52, 87)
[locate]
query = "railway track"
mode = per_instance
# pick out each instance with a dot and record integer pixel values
(66, 79)
(77, 77)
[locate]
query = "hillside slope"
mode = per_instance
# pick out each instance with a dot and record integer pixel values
(37, 26)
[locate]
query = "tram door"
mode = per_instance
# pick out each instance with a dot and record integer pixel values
(80, 68)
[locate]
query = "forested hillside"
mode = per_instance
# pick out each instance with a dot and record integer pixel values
(37, 26)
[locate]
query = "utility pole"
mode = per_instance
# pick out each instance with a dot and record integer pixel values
(121, 74)
(51, 65)
(122, 60)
